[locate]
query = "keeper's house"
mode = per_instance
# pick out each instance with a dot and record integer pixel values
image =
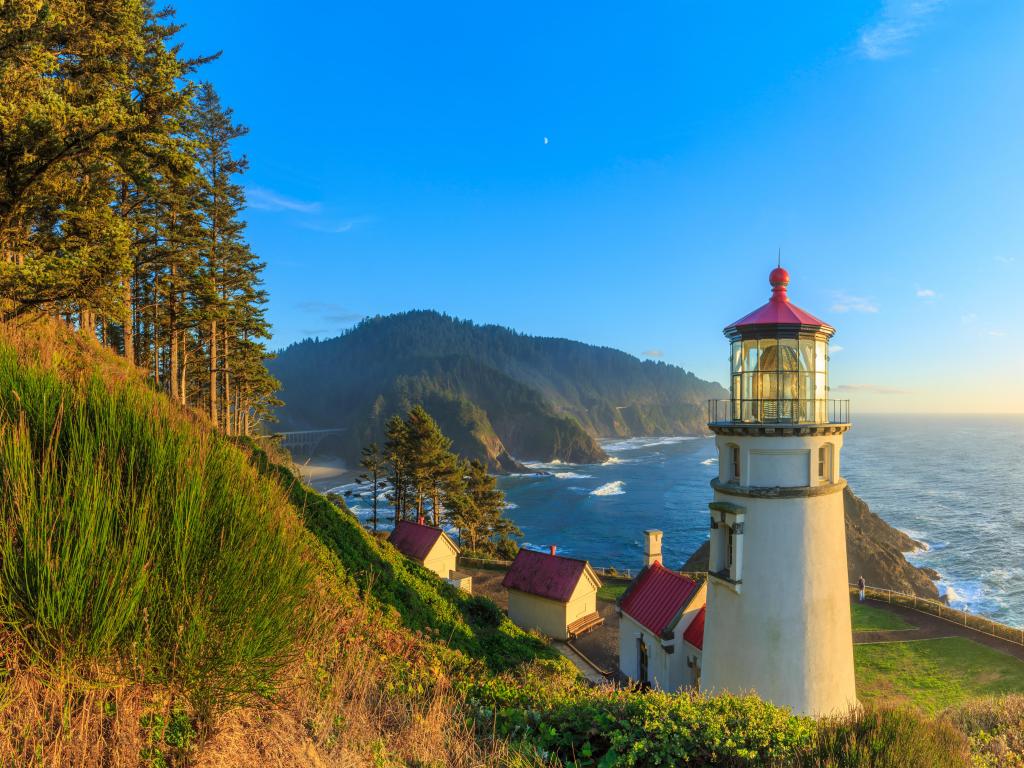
(552, 594)
(430, 547)
(661, 625)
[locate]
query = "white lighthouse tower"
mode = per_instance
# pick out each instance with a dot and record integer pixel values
(778, 607)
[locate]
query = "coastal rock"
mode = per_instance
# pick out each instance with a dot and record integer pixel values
(874, 550)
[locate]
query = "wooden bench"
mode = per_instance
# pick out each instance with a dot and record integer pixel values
(584, 624)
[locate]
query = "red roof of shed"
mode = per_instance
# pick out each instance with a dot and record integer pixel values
(657, 598)
(779, 310)
(414, 540)
(545, 575)
(694, 633)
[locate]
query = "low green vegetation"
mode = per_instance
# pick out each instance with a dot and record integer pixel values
(611, 590)
(867, 618)
(934, 674)
(134, 540)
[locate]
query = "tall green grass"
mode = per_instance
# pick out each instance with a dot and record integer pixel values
(133, 539)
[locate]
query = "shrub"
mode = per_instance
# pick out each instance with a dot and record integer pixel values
(995, 729)
(605, 727)
(131, 538)
(887, 738)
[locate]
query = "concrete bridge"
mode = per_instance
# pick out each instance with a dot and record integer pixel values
(307, 441)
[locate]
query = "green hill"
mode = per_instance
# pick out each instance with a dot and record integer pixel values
(499, 394)
(172, 597)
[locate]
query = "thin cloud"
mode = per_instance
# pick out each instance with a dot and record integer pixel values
(329, 312)
(1006, 259)
(653, 353)
(333, 228)
(835, 349)
(969, 319)
(926, 293)
(899, 22)
(267, 200)
(997, 334)
(847, 303)
(874, 389)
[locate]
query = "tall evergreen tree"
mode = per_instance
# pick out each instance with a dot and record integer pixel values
(374, 464)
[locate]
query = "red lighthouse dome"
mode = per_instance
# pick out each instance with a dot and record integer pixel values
(778, 314)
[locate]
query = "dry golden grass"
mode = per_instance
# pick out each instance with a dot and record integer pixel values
(336, 708)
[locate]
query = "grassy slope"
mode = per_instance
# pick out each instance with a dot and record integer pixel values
(935, 674)
(869, 619)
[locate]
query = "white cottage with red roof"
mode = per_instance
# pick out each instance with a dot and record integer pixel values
(661, 625)
(552, 594)
(430, 547)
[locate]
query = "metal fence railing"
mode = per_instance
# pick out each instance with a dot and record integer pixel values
(943, 611)
(778, 411)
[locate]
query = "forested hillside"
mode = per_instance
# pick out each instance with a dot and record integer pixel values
(497, 393)
(120, 207)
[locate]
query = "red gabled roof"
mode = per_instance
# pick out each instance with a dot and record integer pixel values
(657, 598)
(545, 575)
(779, 310)
(694, 633)
(414, 540)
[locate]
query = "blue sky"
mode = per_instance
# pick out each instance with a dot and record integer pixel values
(624, 173)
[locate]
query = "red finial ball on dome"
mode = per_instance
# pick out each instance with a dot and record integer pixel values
(779, 278)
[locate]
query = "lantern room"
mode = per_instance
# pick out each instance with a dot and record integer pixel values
(779, 364)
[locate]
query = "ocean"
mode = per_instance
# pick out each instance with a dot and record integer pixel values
(955, 483)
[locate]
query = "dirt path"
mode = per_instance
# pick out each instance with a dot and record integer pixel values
(928, 627)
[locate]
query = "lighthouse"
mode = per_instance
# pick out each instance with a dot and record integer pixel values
(778, 606)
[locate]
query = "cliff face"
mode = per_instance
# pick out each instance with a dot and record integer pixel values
(874, 550)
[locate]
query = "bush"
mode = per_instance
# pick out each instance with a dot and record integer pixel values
(605, 727)
(887, 738)
(133, 539)
(995, 729)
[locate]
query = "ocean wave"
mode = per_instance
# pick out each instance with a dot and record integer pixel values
(543, 465)
(611, 460)
(709, 462)
(571, 476)
(615, 488)
(511, 505)
(637, 443)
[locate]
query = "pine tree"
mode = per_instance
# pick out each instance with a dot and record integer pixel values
(374, 464)
(397, 452)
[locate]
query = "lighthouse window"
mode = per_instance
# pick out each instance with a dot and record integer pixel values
(730, 548)
(734, 462)
(824, 462)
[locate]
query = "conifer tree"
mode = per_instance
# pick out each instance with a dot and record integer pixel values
(373, 462)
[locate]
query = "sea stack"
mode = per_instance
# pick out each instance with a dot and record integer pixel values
(778, 607)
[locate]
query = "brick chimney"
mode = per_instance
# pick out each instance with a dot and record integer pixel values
(553, 550)
(652, 547)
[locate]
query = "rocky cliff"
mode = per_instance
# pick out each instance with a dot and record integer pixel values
(874, 550)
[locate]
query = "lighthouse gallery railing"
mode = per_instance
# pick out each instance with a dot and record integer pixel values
(778, 411)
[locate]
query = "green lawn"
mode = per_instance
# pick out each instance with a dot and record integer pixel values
(612, 590)
(869, 619)
(934, 674)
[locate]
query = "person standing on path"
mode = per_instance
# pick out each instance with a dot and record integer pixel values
(860, 586)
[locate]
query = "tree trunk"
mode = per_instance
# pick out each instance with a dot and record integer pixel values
(128, 321)
(213, 372)
(226, 378)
